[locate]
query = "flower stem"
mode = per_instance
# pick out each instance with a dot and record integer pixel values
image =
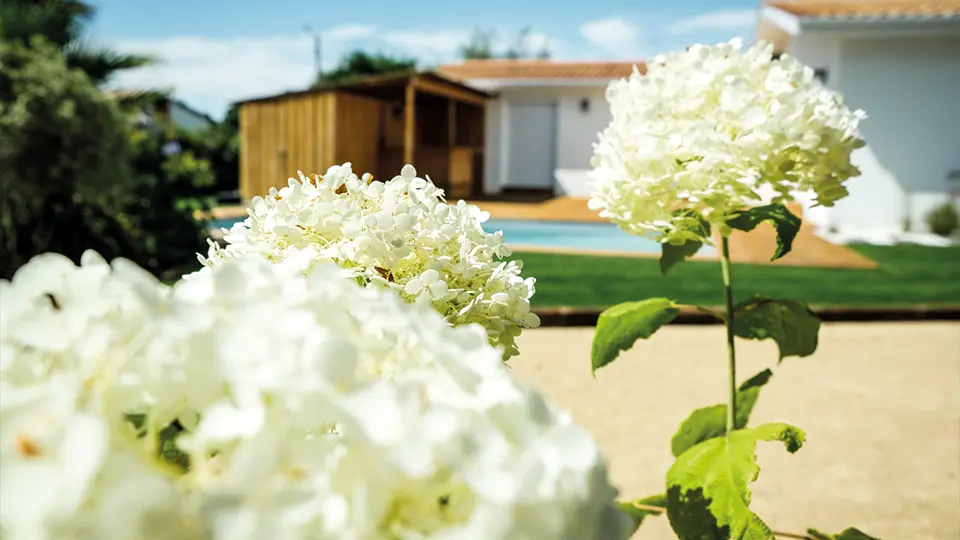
(731, 349)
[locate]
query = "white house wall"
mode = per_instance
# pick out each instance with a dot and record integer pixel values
(575, 134)
(910, 87)
(908, 84)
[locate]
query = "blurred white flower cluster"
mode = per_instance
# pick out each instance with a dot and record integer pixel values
(400, 234)
(705, 130)
(313, 408)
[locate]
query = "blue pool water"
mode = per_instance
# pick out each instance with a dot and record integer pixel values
(217, 224)
(557, 234)
(574, 235)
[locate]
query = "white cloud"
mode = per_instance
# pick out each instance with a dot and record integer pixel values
(534, 43)
(348, 32)
(210, 73)
(433, 47)
(429, 45)
(615, 36)
(537, 41)
(728, 19)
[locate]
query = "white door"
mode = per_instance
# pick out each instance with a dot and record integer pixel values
(531, 144)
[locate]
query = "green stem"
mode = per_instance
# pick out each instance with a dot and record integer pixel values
(731, 349)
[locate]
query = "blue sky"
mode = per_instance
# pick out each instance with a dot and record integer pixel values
(213, 52)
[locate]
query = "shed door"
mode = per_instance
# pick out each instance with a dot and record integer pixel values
(531, 145)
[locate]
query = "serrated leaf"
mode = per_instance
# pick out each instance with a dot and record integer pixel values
(709, 422)
(789, 323)
(707, 486)
(848, 534)
(620, 326)
(639, 514)
(671, 254)
(784, 222)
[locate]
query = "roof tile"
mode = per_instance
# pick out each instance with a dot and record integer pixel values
(538, 69)
(857, 9)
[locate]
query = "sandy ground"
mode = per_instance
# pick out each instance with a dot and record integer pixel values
(880, 404)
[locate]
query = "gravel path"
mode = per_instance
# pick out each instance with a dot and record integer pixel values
(880, 404)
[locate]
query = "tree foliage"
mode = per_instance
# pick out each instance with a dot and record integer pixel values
(62, 23)
(160, 212)
(480, 46)
(62, 158)
(359, 64)
(75, 174)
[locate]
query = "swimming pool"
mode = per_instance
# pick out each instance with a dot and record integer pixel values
(574, 236)
(562, 235)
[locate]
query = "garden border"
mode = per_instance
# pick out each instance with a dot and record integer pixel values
(564, 316)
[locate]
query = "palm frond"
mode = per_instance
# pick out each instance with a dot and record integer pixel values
(140, 99)
(60, 22)
(100, 64)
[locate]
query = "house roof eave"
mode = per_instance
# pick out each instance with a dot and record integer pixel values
(504, 83)
(392, 79)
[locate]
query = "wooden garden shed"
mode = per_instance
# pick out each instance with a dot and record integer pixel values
(378, 124)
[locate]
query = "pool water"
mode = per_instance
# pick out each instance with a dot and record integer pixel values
(556, 234)
(574, 235)
(225, 223)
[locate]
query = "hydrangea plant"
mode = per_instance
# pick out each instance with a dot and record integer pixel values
(710, 131)
(399, 234)
(695, 147)
(314, 408)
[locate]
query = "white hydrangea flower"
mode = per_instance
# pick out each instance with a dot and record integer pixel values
(64, 474)
(707, 129)
(401, 234)
(314, 408)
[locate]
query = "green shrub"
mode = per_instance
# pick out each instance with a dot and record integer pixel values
(75, 176)
(220, 147)
(161, 216)
(944, 219)
(63, 168)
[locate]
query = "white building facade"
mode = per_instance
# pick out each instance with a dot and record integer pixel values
(902, 67)
(897, 60)
(542, 122)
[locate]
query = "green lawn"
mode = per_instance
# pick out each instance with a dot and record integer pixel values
(908, 274)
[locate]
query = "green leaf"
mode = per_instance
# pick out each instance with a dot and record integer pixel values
(847, 534)
(619, 327)
(786, 224)
(687, 219)
(639, 514)
(674, 254)
(707, 486)
(789, 323)
(709, 422)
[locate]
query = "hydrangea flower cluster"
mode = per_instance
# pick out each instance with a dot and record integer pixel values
(313, 408)
(400, 234)
(708, 130)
